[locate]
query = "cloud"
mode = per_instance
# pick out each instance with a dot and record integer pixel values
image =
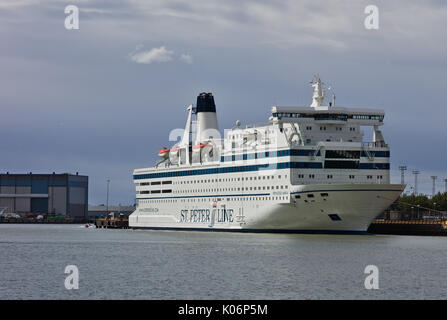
(153, 55)
(186, 58)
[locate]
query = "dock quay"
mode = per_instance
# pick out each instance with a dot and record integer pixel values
(409, 227)
(24, 220)
(112, 223)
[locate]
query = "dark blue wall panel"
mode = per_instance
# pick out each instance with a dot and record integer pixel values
(39, 186)
(39, 205)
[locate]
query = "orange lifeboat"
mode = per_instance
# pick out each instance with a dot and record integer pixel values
(164, 153)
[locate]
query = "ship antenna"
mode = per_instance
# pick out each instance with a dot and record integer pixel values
(318, 96)
(332, 104)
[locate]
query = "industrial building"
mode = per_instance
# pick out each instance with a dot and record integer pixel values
(54, 194)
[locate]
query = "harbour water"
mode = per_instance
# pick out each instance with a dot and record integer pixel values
(129, 264)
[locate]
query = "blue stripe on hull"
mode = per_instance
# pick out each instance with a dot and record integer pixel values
(255, 167)
(351, 232)
(262, 194)
(346, 190)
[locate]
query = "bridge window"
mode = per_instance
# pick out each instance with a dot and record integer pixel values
(342, 154)
(340, 164)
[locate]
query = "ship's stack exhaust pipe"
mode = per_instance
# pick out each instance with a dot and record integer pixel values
(207, 127)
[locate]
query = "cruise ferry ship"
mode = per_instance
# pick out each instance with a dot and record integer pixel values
(307, 170)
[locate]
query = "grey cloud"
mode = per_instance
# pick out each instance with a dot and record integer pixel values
(71, 101)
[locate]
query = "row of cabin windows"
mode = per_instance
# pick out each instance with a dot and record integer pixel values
(311, 195)
(213, 200)
(155, 191)
(323, 128)
(251, 156)
(367, 117)
(155, 183)
(341, 117)
(210, 180)
(330, 176)
(231, 179)
(309, 141)
(234, 189)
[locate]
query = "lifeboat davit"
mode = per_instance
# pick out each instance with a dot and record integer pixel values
(164, 153)
(174, 150)
(199, 146)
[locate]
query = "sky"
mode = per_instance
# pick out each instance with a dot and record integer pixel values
(101, 100)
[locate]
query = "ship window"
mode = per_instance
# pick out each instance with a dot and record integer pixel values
(155, 191)
(310, 195)
(166, 182)
(155, 183)
(341, 164)
(342, 154)
(324, 194)
(334, 217)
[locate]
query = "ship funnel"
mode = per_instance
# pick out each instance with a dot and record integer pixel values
(205, 103)
(207, 127)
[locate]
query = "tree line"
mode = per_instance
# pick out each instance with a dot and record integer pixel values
(405, 202)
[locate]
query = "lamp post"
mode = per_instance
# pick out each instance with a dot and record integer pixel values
(434, 185)
(107, 201)
(416, 172)
(402, 174)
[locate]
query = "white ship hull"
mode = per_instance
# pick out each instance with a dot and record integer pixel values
(342, 208)
(307, 170)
